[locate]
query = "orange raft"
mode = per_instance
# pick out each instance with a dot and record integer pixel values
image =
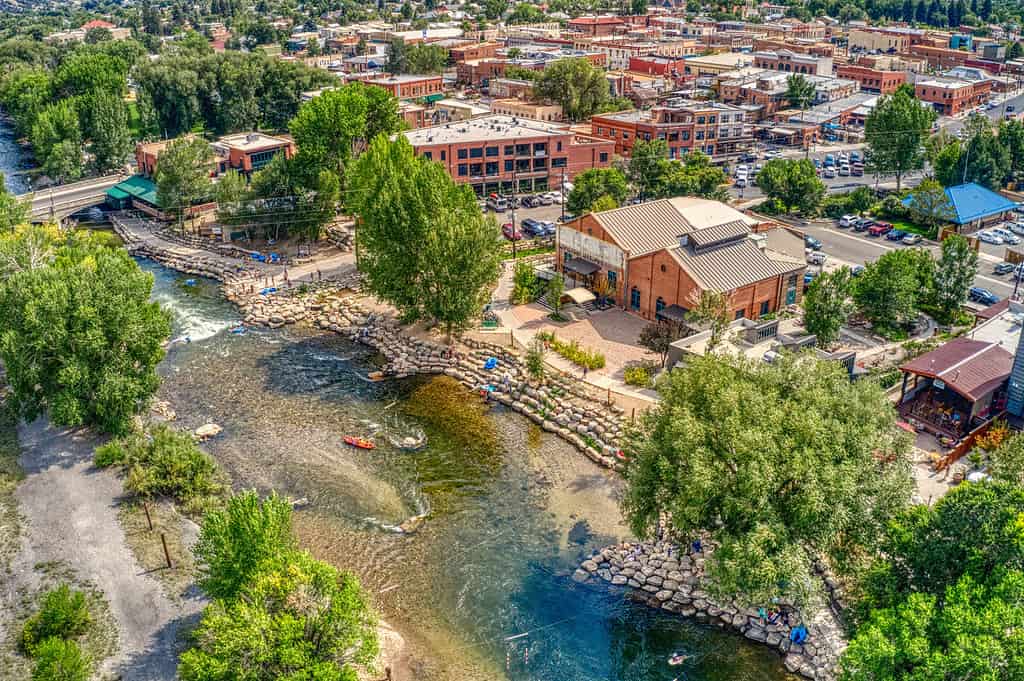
(360, 442)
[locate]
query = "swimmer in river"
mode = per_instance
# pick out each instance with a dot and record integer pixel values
(677, 659)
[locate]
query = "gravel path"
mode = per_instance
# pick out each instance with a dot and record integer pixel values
(70, 514)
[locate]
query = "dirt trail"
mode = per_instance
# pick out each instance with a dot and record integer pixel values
(70, 516)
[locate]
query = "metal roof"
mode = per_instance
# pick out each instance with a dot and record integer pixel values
(702, 238)
(137, 186)
(731, 265)
(970, 367)
(973, 202)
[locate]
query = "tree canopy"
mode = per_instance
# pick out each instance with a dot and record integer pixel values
(792, 182)
(423, 243)
(827, 304)
(183, 175)
(891, 289)
(770, 460)
(79, 336)
(895, 131)
(593, 184)
(577, 85)
(954, 275)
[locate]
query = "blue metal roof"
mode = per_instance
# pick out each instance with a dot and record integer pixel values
(973, 202)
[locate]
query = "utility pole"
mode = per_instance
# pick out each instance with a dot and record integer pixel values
(513, 204)
(564, 196)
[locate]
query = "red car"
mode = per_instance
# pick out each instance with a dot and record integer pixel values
(879, 228)
(509, 232)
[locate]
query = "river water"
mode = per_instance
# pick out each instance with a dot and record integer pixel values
(12, 163)
(481, 590)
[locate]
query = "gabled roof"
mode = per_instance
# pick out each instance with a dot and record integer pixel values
(731, 265)
(973, 202)
(647, 227)
(970, 367)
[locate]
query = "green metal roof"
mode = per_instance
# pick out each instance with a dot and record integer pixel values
(136, 186)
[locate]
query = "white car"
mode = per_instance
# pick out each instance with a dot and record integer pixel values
(1016, 227)
(740, 170)
(990, 238)
(556, 197)
(847, 220)
(1007, 237)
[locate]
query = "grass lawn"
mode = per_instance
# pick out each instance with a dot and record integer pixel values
(912, 228)
(134, 120)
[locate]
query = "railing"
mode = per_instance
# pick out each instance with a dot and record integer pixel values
(966, 445)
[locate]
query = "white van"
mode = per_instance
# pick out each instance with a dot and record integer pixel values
(497, 203)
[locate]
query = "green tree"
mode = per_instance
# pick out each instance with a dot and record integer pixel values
(63, 614)
(603, 203)
(57, 141)
(592, 184)
(535, 360)
(236, 543)
(800, 92)
(578, 86)
(298, 618)
(648, 165)
(693, 175)
(930, 206)
(398, 59)
(737, 448)
(25, 93)
(985, 159)
(890, 289)
(100, 34)
(13, 211)
(1006, 462)
(1011, 137)
(659, 336)
(946, 166)
(423, 243)
(60, 660)
(494, 9)
(895, 131)
(793, 182)
(556, 287)
(425, 58)
(85, 72)
(954, 275)
(860, 200)
(638, 7)
(110, 138)
(712, 309)
(827, 305)
(525, 13)
(80, 336)
(183, 175)
(1014, 50)
(333, 126)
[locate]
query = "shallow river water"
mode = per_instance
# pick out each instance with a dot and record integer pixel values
(481, 589)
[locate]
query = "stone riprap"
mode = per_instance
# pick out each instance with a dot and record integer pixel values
(663, 577)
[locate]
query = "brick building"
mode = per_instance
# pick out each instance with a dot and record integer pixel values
(940, 58)
(656, 65)
(950, 97)
(473, 50)
(409, 86)
(872, 80)
(657, 257)
(596, 26)
(709, 127)
(247, 152)
(793, 62)
(811, 47)
(519, 108)
(490, 152)
(871, 39)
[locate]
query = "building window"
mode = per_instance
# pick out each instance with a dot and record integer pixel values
(612, 281)
(509, 164)
(659, 304)
(262, 158)
(700, 120)
(558, 146)
(492, 168)
(492, 151)
(476, 153)
(540, 147)
(634, 298)
(686, 135)
(540, 163)
(427, 155)
(476, 169)
(603, 157)
(558, 162)
(463, 153)
(739, 314)
(509, 149)
(522, 150)
(764, 307)
(700, 134)
(463, 169)
(443, 155)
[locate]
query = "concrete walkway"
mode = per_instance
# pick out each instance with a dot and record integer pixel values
(70, 514)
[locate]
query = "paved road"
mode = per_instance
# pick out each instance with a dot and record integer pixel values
(1014, 100)
(856, 248)
(74, 195)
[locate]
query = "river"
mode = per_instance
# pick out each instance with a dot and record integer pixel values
(482, 589)
(12, 161)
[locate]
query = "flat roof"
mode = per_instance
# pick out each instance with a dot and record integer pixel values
(484, 129)
(249, 141)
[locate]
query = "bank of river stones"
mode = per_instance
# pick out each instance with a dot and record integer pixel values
(558, 404)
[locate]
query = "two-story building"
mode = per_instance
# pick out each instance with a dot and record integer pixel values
(502, 154)
(658, 257)
(950, 97)
(709, 127)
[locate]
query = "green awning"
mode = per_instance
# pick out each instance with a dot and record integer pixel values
(116, 194)
(437, 97)
(137, 187)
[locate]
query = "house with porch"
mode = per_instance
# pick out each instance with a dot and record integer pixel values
(655, 259)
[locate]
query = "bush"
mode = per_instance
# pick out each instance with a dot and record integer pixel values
(164, 462)
(578, 355)
(893, 208)
(526, 286)
(58, 660)
(640, 374)
(836, 206)
(63, 614)
(771, 207)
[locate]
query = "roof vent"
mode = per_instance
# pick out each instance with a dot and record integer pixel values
(684, 240)
(251, 137)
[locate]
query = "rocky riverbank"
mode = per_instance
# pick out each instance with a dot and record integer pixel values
(663, 577)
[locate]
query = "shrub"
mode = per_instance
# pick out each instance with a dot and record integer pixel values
(526, 287)
(578, 355)
(62, 614)
(535, 359)
(640, 375)
(164, 462)
(59, 660)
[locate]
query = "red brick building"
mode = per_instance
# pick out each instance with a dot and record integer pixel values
(473, 50)
(793, 62)
(656, 65)
(596, 26)
(248, 152)
(872, 80)
(951, 97)
(492, 152)
(409, 86)
(940, 58)
(657, 257)
(709, 127)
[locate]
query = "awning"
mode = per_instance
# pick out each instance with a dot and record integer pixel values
(673, 313)
(580, 266)
(579, 295)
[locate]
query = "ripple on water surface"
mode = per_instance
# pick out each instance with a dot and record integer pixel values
(511, 509)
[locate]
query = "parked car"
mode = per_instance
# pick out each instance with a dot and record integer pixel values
(529, 201)
(1006, 235)
(509, 232)
(863, 225)
(879, 228)
(830, 160)
(847, 220)
(816, 258)
(844, 171)
(556, 197)
(531, 227)
(982, 295)
(741, 182)
(549, 228)
(857, 271)
(544, 200)
(740, 170)
(1003, 268)
(568, 217)
(895, 235)
(912, 239)
(854, 157)
(812, 243)
(808, 278)
(772, 153)
(817, 162)
(990, 238)
(1016, 227)
(857, 169)
(829, 172)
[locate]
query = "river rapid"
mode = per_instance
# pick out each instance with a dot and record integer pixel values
(481, 590)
